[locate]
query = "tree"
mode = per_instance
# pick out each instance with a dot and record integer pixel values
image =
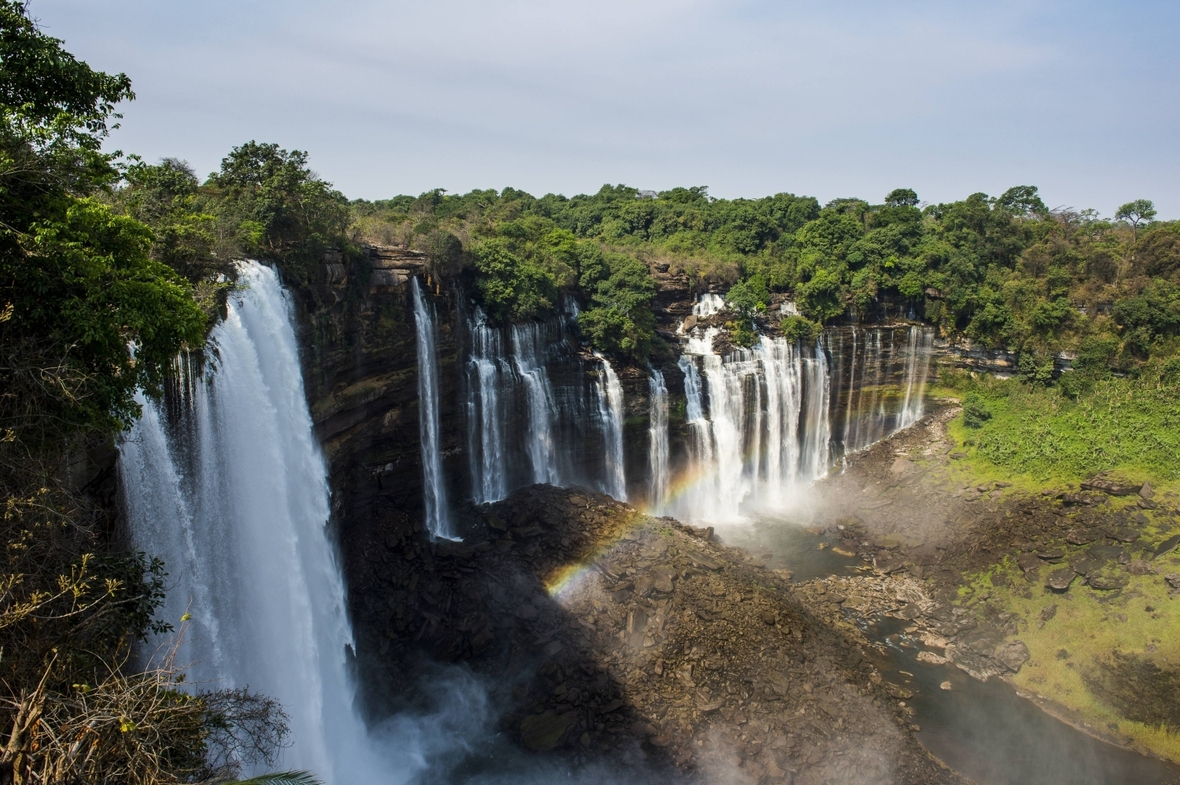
(902, 197)
(819, 299)
(1135, 213)
(77, 285)
(277, 205)
(1022, 200)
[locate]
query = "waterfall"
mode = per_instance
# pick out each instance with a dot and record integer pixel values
(527, 354)
(485, 414)
(757, 438)
(816, 457)
(234, 498)
(610, 413)
(438, 517)
(658, 443)
(919, 348)
(708, 305)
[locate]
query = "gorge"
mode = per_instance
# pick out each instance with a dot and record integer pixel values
(737, 438)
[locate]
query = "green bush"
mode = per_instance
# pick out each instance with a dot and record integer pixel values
(798, 328)
(975, 411)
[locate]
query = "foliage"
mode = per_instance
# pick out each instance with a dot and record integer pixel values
(1004, 271)
(620, 319)
(280, 778)
(276, 206)
(798, 328)
(975, 411)
(1126, 424)
(90, 312)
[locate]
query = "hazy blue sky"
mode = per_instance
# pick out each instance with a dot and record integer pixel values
(749, 98)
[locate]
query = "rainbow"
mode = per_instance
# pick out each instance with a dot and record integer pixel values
(564, 579)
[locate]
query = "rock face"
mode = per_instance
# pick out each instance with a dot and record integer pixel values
(636, 639)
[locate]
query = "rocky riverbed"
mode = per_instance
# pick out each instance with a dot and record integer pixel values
(1062, 589)
(639, 641)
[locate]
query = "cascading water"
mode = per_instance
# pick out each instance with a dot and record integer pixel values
(765, 429)
(438, 514)
(885, 390)
(508, 382)
(610, 413)
(766, 421)
(658, 452)
(919, 347)
(485, 412)
(528, 355)
(235, 500)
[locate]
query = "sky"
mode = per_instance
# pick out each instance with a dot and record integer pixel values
(748, 97)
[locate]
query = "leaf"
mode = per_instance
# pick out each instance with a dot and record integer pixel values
(281, 778)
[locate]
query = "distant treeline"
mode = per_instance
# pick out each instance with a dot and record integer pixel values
(1003, 271)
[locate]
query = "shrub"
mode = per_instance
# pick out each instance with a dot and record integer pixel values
(799, 328)
(975, 411)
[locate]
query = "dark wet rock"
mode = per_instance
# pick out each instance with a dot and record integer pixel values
(1053, 555)
(1124, 534)
(886, 563)
(1059, 580)
(975, 665)
(543, 732)
(1081, 536)
(1106, 582)
(1084, 565)
(1013, 655)
(1172, 580)
(1146, 491)
(1110, 487)
(1048, 612)
(1167, 546)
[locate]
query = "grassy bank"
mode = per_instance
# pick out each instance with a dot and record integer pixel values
(1040, 436)
(1111, 656)
(1072, 639)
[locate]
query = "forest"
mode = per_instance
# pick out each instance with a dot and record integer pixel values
(110, 265)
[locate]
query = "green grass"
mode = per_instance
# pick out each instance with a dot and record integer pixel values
(1087, 627)
(1128, 426)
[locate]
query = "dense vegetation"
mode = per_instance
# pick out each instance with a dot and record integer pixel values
(110, 266)
(89, 314)
(1003, 271)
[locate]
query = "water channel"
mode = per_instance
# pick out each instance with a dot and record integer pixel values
(983, 730)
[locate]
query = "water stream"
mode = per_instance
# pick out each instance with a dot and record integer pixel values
(438, 513)
(983, 730)
(234, 497)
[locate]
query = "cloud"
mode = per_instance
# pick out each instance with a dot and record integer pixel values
(747, 97)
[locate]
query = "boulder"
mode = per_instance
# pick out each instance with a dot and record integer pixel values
(1167, 546)
(1106, 582)
(1060, 580)
(1110, 487)
(1012, 655)
(542, 732)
